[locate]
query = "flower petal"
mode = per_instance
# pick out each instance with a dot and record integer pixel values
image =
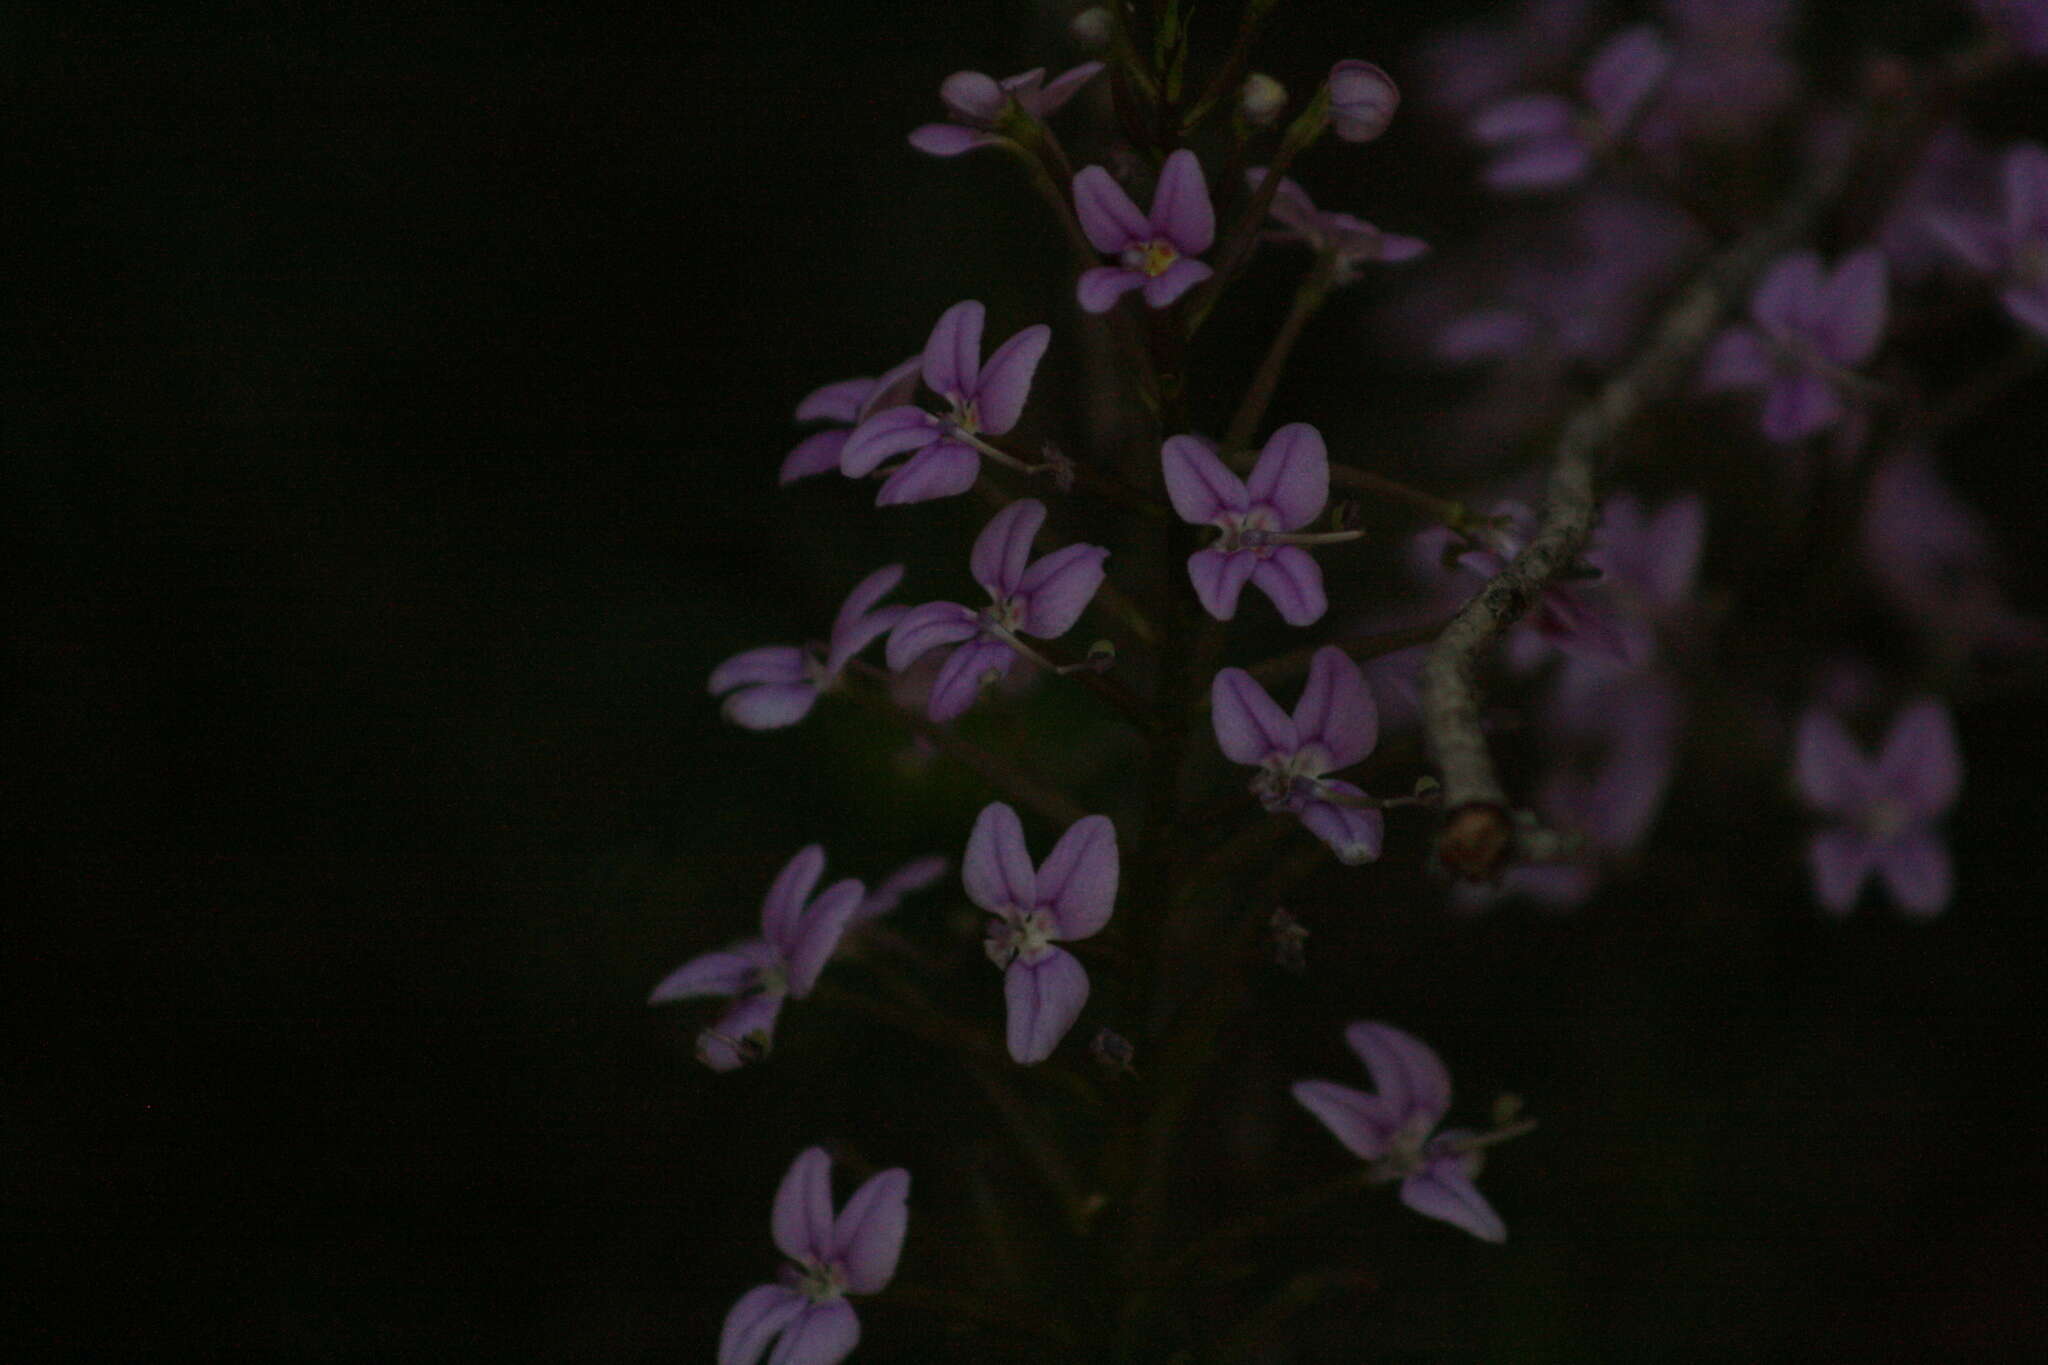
(962, 677)
(1840, 859)
(770, 706)
(868, 1238)
(1832, 773)
(973, 96)
(754, 1321)
(1736, 360)
(1624, 71)
(1363, 1123)
(912, 877)
(1003, 548)
(1524, 118)
(1335, 710)
(768, 664)
(1293, 475)
(802, 1217)
(1443, 1191)
(1787, 299)
(742, 1033)
(1101, 286)
(1005, 381)
(817, 453)
(1077, 882)
(730, 971)
(942, 469)
(1799, 405)
(1219, 577)
(1058, 588)
(1162, 290)
(1920, 766)
(824, 1333)
(1853, 307)
(1915, 867)
(1201, 487)
(889, 432)
(854, 627)
(1181, 211)
(1250, 726)
(926, 627)
(1062, 88)
(836, 402)
(783, 906)
(1408, 1075)
(996, 869)
(949, 139)
(818, 934)
(952, 354)
(1294, 581)
(1044, 998)
(1107, 214)
(1354, 833)
(1541, 164)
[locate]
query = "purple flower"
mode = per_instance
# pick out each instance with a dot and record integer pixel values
(1579, 621)
(798, 936)
(983, 400)
(1026, 597)
(1543, 141)
(2014, 249)
(1811, 329)
(1258, 520)
(849, 402)
(1362, 100)
(777, 685)
(1068, 897)
(907, 880)
(1467, 66)
(1154, 254)
(1334, 726)
(1931, 553)
(1391, 1128)
(1883, 811)
(855, 1253)
(1649, 561)
(1349, 242)
(977, 104)
(2023, 23)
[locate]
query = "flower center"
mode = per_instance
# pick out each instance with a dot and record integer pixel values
(1886, 819)
(1286, 783)
(1004, 615)
(966, 418)
(820, 1280)
(1151, 257)
(1015, 933)
(1248, 532)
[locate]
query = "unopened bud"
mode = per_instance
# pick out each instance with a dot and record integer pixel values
(1362, 100)
(1113, 1051)
(1260, 100)
(1290, 940)
(1102, 655)
(1091, 28)
(1506, 1109)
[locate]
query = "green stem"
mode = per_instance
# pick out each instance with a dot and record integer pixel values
(1244, 233)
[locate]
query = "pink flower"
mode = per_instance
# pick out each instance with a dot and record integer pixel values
(977, 102)
(1812, 327)
(1334, 726)
(1883, 811)
(1154, 253)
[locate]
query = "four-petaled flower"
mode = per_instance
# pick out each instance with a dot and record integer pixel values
(1334, 726)
(1391, 1129)
(848, 402)
(2015, 249)
(1812, 328)
(1257, 518)
(977, 102)
(777, 685)
(1349, 242)
(982, 400)
(1153, 253)
(798, 936)
(1042, 598)
(855, 1253)
(1543, 141)
(1884, 810)
(1068, 897)
(1579, 621)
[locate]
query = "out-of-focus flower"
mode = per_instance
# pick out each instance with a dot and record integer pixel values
(1576, 619)
(1260, 100)
(977, 104)
(1730, 73)
(777, 685)
(1067, 897)
(1544, 141)
(855, 1253)
(2012, 249)
(1362, 100)
(1932, 555)
(2023, 23)
(1155, 253)
(849, 402)
(1334, 725)
(1258, 520)
(907, 880)
(1812, 328)
(1648, 562)
(1883, 811)
(1473, 64)
(1349, 242)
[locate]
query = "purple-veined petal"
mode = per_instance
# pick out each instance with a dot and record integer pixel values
(1915, 868)
(1541, 164)
(1336, 711)
(996, 869)
(784, 904)
(1362, 100)
(1787, 299)
(943, 469)
(949, 139)
(1107, 214)
(1250, 726)
(1524, 118)
(836, 402)
(768, 664)
(1062, 88)
(973, 96)
(1056, 589)
(1077, 882)
(952, 355)
(769, 706)
(730, 971)
(1219, 577)
(1443, 1191)
(889, 432)
(960, 680)
(1101, 286)
(1293, 475)
(1832, 772)
(1005, 381)
(2024, 174)
(823, 1333)
(741, 1033)
(817, 453)
(1406, 1072)
(1162, 290)
(868, 1238)
(1624, 71)
(1292, 578)
(1354, 833)
(802, 1216)
(754, 1321)
(1920, 766)
(1363, 1123)
(1853, 307)
(818, 934)
(1798, 405)
(1841, 859)
(1181, 211)
(1043, 998)
(925, 628)
(1003, 548)
(1738, 359)
(1201, 487)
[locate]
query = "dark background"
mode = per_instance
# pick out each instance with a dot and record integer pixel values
(391, 421)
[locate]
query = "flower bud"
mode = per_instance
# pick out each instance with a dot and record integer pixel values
(1260, 100)
(1091, 28)
(1362, 100)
